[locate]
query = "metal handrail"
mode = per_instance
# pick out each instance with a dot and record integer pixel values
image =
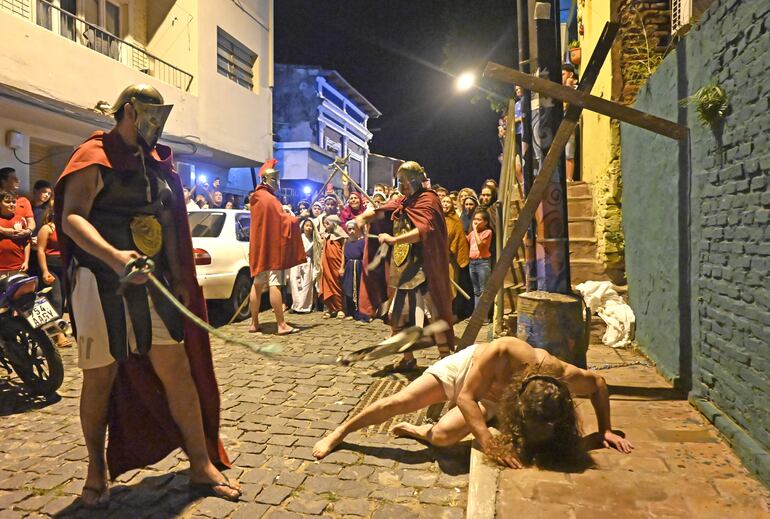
(109, 45)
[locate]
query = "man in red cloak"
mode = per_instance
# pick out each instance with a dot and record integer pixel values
(418, 271)
(146, 370)
(275, 245)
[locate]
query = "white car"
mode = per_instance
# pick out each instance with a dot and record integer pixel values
(220, 240)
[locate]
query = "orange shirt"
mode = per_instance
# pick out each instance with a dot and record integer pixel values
(480, 250)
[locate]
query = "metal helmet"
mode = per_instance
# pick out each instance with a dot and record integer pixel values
(151, 113)
(410, 174)
(271, 178)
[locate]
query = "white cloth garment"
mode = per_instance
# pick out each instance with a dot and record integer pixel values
(604, 301)
(302, 280)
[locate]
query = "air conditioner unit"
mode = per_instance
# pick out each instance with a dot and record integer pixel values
(681, 16)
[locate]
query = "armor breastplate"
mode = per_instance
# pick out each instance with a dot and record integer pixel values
(406, 259)
(126, 214)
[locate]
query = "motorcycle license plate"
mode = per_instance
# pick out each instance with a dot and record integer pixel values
(42, 313)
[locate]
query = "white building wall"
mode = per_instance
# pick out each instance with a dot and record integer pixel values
(216, 112)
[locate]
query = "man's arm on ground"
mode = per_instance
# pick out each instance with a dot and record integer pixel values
(583, 382)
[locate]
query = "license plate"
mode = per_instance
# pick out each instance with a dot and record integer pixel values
(42, 313)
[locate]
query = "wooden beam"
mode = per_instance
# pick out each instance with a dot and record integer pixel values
(538, 189)
(587, 101)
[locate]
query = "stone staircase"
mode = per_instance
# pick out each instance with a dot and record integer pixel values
(583, 260)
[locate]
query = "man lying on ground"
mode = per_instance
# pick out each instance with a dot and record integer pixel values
(527, 388)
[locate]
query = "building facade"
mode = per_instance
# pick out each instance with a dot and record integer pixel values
(211, 59)
(318, 116)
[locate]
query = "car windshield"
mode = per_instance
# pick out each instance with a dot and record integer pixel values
(205, 224)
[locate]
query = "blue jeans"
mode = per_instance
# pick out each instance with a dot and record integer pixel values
(480, 270)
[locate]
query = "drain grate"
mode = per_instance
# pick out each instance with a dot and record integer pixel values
(381, 389)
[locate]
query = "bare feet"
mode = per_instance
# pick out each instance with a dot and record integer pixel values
(215, 483)
(95, 496)
(324, 446)
(407, 430)
(254, 328)
(96, 490)
(286, 329)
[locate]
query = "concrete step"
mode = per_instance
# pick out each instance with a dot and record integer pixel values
(578, 189)
(587, 270)
(582, 248)
(580, 206)
(581, 227)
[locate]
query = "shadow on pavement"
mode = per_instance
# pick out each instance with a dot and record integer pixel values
(15, 399)
(162, 497)
(453, 460)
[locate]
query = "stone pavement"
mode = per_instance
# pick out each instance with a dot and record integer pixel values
(680, 467)
(273, 412)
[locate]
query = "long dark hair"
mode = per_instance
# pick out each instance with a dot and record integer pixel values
(539, 424)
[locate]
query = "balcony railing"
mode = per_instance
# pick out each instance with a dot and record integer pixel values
(94, 37)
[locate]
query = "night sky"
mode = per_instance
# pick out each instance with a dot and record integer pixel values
(381, 47)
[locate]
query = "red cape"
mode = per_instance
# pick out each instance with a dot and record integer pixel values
(275, 239)
(331, 263)
(373, 289)
(424, 211)
(141, 429)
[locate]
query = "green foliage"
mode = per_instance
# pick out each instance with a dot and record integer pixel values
(574, 44)
(711, 104)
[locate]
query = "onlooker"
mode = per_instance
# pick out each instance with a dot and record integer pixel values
(9, 181)
(331, 266)
(51, 267)
(353, 252)
(41, 201)
(458, 248)
(14, 236)
(470, 204)
(480, 240)
(188, 201)
(488, 195)
(353, 208)
(331, 204)
(216, 200)
(302, 277)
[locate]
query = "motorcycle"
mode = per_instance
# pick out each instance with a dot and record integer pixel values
(28, 323)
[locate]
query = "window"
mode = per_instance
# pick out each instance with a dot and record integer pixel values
(91, 11)
(234, 60)
(242, 226)
(206, 224)
(112, 19)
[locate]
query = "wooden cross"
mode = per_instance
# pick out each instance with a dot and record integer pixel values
(577, 99)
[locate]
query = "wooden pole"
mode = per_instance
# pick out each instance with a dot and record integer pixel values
(539, 187)
(503, 197)
(585, 100)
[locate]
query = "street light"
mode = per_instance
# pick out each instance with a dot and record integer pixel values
(465, 81)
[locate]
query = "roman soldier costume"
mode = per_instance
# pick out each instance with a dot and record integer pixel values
(137, 190)
(418, 272)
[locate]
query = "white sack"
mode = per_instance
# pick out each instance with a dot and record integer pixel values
(607, 304)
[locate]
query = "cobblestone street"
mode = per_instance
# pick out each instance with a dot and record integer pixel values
(272, 414)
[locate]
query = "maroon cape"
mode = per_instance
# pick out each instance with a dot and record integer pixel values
(373, 289)
(141, 429)
(275, 239)
(331, 285)
(424, 211)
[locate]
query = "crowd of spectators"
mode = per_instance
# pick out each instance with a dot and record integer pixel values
(28, 239)
(330, 281)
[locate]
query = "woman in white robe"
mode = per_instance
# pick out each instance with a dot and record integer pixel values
(303, 277)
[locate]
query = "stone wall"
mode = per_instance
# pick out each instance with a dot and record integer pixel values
(699, 257)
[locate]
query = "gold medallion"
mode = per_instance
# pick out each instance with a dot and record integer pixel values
(400, 253)
(147, 234)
